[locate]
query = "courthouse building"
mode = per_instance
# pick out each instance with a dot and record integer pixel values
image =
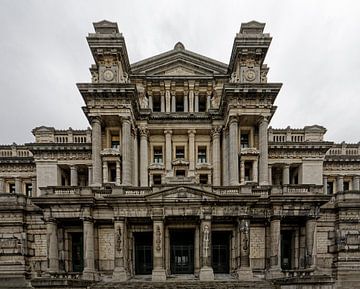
(180, 177)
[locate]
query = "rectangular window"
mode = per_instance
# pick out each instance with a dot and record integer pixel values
(180, 103)
(346, 186)
(202, 103)
(12, 188)
(112, 172)
(156, 103)
(180, 173)
(157, 179)
(180, 152)
(202, 154)
(244, 140)
(115, 141)
(158, 155)
(204, 179)
(28, 189)
(330, 188)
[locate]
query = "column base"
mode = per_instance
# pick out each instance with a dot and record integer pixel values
(120, 275)
(206, 274)
(274, 273)
(89, 275)
(245, 274)
(158, 275)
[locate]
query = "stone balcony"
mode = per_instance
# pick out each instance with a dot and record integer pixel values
(111, 152)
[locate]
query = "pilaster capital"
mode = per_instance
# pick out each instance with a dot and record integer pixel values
(233, 120)
(73, 167)
(168, 132)
(143, 131)
(95, 120)
(191, 132)
(125, 119)
(216, 131)
(264, 120)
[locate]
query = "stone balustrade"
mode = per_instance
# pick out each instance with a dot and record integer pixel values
(14, 150)
(300, 189)
(344, 149)
(312, 133)
(51, 135)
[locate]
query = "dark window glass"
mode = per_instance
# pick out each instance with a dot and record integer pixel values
(202, 103)
(180, 103)
(202, 154)
(180, 173)
(12, 188)
(28, 189)
(157, 179)
(156, 103)
(158, 155)
(204, 179)
(180, 152)
(244, 140)
(346, 186)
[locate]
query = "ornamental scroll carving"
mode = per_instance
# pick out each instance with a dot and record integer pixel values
(158, 238)
(119, 239)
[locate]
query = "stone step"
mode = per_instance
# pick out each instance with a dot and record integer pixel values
(185, 285)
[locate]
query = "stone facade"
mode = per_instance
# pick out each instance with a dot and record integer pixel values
(180, 177)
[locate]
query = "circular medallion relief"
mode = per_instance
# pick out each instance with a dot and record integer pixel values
(108, 75)
(250, 75)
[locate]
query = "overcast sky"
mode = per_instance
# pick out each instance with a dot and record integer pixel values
(315, 53)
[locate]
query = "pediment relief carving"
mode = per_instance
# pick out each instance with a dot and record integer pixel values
(182, 193)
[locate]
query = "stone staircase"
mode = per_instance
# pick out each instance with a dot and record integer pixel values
(185, 285)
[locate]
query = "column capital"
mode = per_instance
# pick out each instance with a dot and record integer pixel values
(216, 131)
(233, 119)
(95, 119)
(191, 131)
(264, 119)
(168, 131)
(143, 131)
(125, 119)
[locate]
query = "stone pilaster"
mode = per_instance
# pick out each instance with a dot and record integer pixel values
(225, 158)
(126, 151)
(263, 148)
(215, 133)
(34, 186)
(244, 272)
(96, 149)
(233, 152)
(144, 161)
(270, 174)
(206, 271)
(191, 100)
(18, 186)
(2, 185)
(168, 169)
(186, 103)
(135, 174)
(168, 100)
(118, 173)
(150, 102)
(120, 273)
(356, 183)
(191, 134)
(208, 100)
(310, 240)
(105, 172)
(89, 249)
(52, 246)
(242, 172)
(158, 273)
(255, 171)
(275, 249)
(173, 102)
(162, 102)
(90, 175)
(340, 183)
(73, 175)
(325, 179)
(286, 174)
(196, 101)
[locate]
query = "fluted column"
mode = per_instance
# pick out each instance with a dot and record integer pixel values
(244, 272)
(275, 252)
(2, 185)
(168, 100)
(120, 234)
(206, 271)
(162, 102)
(286, 174)
(191, 134)
(186, 106)
(225, 158)
(126, 150)
(356, 183)
(96, 149)
(310, 229)
(208, 100)
(216, 156)
(325, 179)
(255, 171)
(105, 172)
(196, 101)
(263, 148)
(191, 101)
(89, 249)
(233, 152)
(18, 186)
(173, 102)
(34, 186)
(144, 161)
(242, 172)
(52, 246)
(135, 174)
(90, 175)
(168, 169)
(158, 273)
(73, 175)
(270, 174)
(340, 183)
(150, 101)
(118, 173)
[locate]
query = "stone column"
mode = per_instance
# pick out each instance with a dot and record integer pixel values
(325, 179)
(73, 175)
(150, 102)
(120, 234)
(158, 273)
(244, 272)
(96, 149)
(33, 186)
(215, 133)
(191, 100)
(340, 183)
(225, 158)
(255, 171)
(233, 152)
(168, 100)
(206, 271)
(52, 246)
(270, 174)
(105, 172)
(263, 148)
(126, 157)
(275, 249)
(196, 100)
(173, 102)
(191, 134)
(168, 134)
(144, 161)
(18, 186)
(208, 100)
(135, 175)
(242, 172)
(89, 256)
(356, 183)
(2, 185)
(286, 174)
(90, 175)
(162, 102)
(186, 106)
(118, 173)
(310, 240)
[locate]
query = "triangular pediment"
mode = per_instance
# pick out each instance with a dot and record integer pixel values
(179, 62)
(182, 193)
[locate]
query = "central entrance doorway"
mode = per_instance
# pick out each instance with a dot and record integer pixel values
(221, 252)
(143, 253)
(77, 252)
(182, 252)
(286, 249)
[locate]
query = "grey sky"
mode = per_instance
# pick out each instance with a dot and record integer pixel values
(315, 52)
